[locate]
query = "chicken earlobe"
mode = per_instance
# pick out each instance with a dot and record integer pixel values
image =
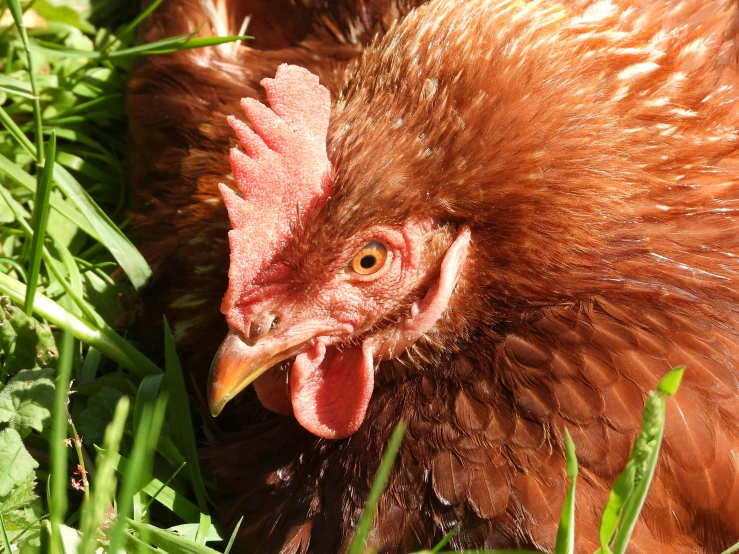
(426, 313)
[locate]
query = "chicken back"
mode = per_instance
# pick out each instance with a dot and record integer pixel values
(498, 220)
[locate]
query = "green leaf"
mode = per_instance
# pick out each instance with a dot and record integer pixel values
(20, 496)
(70, 538)
(622, 488)
(98, 414)
(27, 400)
(16, 510)
(16, 464)
(27, 344)
(71, 12)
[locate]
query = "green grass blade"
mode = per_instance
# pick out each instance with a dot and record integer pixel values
(125, 253)
(40, 221)
(17, 12)
(368, 515)
(15, 9)
(164, 486)
(126, 32)
(170, 542)
(199, 42)
(566, 531)
(72, 284)
(504, 551)
(163, 46)
(16, 132)
(74, 290)
(20, 177)
(133, 544)
(671, 382)
(58, 505)
(442, 543)
(138, 467)
(731, 549)
(6, 542)
(13, 86)
(233, 536)
(104, 482)
(70, 161)
(644, 458)
(180, 421)
(612, 512)
(203, 528)
(165, 495)
(146, 395)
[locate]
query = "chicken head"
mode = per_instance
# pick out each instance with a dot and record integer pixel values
(336, 313)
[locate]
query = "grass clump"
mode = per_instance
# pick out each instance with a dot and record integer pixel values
(67, 272)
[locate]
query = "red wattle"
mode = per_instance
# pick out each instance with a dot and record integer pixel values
(330, 390)
(271, 389)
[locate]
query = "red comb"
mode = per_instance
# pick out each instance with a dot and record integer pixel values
(284, 173)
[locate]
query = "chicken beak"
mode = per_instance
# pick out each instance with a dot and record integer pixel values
(236, 365)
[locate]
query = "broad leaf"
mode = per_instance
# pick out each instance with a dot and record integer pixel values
(16, 464)
(26, 343)
(27, 400)
(98, 414)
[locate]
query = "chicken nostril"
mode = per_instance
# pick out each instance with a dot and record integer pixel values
(261, 325)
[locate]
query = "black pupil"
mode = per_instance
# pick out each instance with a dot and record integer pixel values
(368, 261)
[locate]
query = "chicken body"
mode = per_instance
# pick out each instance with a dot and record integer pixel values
(590, 147)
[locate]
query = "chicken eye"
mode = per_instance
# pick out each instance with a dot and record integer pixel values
(369, 259)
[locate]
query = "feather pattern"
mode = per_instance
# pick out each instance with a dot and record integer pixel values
(592, 148)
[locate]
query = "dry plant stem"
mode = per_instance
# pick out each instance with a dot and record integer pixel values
(78, 447)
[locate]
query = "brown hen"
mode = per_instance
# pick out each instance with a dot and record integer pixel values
(569, 167)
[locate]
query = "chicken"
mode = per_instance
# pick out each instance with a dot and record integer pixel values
(496, 221)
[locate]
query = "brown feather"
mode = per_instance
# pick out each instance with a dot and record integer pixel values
(592, 151)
